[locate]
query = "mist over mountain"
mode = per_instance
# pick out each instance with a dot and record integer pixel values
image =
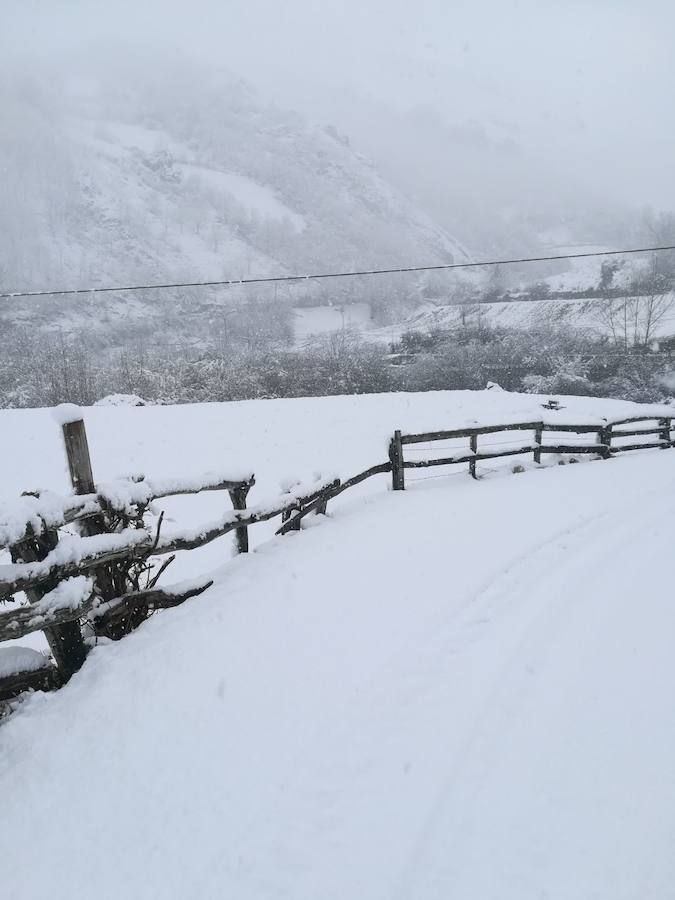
(123, 174)
(168, 142)
(165, 141)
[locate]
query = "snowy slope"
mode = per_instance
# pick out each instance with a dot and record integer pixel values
(591, 316)
(459, 691)
(128, 177)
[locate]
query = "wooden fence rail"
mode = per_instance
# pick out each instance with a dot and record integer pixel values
(115, 548)
(606, 433)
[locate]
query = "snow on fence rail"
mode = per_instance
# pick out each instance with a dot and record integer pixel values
(89, 562)
(606, 432)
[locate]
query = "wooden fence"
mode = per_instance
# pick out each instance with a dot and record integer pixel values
(89, 563)
(605, 446)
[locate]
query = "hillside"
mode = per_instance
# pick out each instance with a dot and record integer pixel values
(571, 299)
(460, 690)
(115, 176)
(592, 316)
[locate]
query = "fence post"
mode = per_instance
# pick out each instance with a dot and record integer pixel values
(605, 437)
(396, 457)
(79, 461)
(664, 434)
(474, 449)
(81, 474)
(288, 514)
(65, 641)
(238, 496)
(538, 435)
(110, 584)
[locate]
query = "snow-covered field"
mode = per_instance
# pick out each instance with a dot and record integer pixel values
(591, 316)
(310, 321)
(461, 690)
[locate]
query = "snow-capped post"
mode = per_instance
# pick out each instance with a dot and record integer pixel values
(538, 434)
(109, 584)
(396, 457)
(65, 641)
(238, 496)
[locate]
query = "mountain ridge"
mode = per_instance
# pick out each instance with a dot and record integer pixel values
(188, 178)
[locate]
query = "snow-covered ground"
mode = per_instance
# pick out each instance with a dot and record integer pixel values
(255, 198)
(310, 321)
(461, 690)
(591, 316)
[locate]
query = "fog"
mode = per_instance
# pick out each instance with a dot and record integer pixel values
(486, 113)
(146, 143)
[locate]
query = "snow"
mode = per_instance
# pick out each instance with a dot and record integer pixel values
(271, 438)
(182, 587)
(15, 518)
(293, 491)
(181, 484)
(72, 549)
(460, 690)
(20, 659)
(33, 512)
(278, 440)
(299, 488)
(121, 400)
(253, 197)
(309, 321)
(123, 494)
(66, 413)
(50, 509)
(69, 594)
(585, 315)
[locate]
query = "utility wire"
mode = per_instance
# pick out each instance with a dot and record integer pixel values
(278, 279)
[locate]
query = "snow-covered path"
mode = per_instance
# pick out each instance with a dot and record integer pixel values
(458, 691)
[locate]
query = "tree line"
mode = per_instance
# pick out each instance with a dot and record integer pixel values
(39, 369)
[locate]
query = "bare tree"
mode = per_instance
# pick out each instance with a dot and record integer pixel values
(633, 320)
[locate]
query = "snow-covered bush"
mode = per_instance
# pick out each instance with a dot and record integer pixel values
(121, 400)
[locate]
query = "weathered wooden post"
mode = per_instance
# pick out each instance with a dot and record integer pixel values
(79, 460)
(296, 524)
(664, 434)
(320, 502)
(474, 449)
(538, 436)
(238, 496)
(605, 438)
(65, 641)
(321, 506)
(109, 583)
(396, 458)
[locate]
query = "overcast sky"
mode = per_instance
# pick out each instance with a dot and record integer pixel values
(583, 87)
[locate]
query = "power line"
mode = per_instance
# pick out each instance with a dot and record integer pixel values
(278, 279)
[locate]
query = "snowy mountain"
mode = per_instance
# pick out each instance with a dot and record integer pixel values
(122, 178)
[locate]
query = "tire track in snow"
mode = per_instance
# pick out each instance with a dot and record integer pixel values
(428, 709)
(518, 673)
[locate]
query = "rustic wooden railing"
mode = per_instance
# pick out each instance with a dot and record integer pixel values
(89, 563)
(80, 559)
(604, 448)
